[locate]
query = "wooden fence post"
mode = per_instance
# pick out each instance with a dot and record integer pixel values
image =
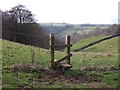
(52, 48)
(68, 49)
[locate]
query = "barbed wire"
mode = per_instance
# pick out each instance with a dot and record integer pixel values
(20, 34)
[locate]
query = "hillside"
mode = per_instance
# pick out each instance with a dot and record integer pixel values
(91, 43)
(96, 66)
(86, 41)
(105, 31)
(62, 29)
(110, 45)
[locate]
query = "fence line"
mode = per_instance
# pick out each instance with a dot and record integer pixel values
(19, 33)
(28, 39)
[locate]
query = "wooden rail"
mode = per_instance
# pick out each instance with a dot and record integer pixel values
(61, 45)
(53, 46)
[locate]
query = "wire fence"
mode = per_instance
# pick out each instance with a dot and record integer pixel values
(17, 33)
(20, 53)
(28, 39)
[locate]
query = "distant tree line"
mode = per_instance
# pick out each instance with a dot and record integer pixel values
(19, 25)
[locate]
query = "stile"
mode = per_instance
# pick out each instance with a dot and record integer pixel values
(67, 57)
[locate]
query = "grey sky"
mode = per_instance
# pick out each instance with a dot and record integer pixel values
(69, 11)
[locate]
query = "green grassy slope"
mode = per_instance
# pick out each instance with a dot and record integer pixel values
(104, 54)
(86, 41)
(96, 66)
(100, 52)
(107, 45)
(14, 53)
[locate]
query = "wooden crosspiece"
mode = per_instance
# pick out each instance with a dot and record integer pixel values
(68, 54)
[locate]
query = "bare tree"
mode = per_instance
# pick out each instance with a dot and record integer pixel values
(22, 14)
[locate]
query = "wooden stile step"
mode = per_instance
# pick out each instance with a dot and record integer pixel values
(64, 65)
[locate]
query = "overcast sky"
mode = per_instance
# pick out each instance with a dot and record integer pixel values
(69, 11)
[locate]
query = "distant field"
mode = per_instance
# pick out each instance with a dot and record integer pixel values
(61, 31)
(78, 30)
(96, 66)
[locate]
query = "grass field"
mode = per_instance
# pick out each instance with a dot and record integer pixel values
(94, 67)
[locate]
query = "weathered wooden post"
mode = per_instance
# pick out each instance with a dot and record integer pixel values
(52, 48)
(68, 49)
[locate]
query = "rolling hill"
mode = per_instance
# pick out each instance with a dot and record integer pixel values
(92, 43)
(110, 45)
(86, 41)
